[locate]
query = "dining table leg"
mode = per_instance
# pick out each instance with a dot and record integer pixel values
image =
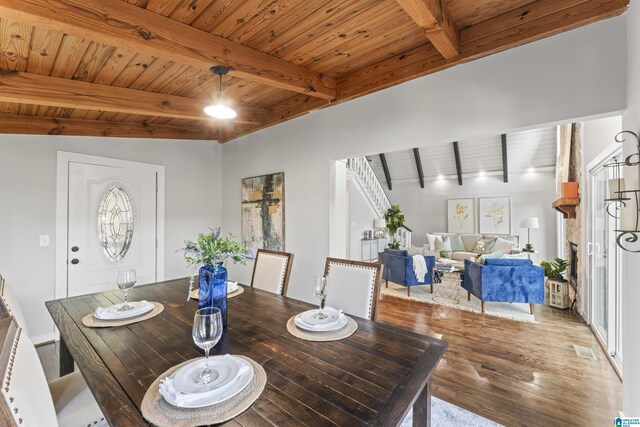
(422, 408)
(66, 359)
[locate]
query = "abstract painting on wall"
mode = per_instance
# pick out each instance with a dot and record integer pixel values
(495, 215)
(461, 216)
(263, 212)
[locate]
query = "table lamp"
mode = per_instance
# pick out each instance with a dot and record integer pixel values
(379, 224)
(529, 223)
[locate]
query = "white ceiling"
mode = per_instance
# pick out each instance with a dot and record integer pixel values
(525, 149)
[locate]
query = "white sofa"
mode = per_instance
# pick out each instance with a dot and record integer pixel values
(507, 244)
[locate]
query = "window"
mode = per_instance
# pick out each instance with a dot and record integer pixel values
(115, 223)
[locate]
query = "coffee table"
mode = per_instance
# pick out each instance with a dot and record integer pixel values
(449, 284)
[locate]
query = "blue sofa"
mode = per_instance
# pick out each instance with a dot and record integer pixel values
(505, 280)
(398, 267)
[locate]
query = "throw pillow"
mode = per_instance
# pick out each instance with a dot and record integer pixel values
(456, 243)
(483, 246)
(431, 240)
(415, 250)
(443, 245)
(503, 245)
(492, 255)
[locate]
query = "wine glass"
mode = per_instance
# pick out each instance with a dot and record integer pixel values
(320, 292)
(207, 330)
(126, 280)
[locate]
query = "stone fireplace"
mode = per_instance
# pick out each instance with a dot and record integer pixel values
(571, 140)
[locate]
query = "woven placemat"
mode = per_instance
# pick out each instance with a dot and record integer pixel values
(344, 332)
(157, 411)
(240, 290)
(90, 321)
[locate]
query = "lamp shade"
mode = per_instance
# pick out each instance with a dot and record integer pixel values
(220, 111)
(530, 222)
(379, 223)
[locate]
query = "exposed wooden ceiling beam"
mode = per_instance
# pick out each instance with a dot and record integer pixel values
(296, 106)
(416, 154)
(35, 89)
(385, 168)
(534, 21)
(33, 125)
(434, 17)
(505, 163)
(456, 154)
(123, 25)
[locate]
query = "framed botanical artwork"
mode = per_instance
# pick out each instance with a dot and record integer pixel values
(263, 212)
(494, 215)
(461, 215)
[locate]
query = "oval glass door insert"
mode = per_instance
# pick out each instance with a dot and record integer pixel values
(115, 223)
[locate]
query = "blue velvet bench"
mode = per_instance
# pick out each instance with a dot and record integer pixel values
(504, 280)
(398, 267)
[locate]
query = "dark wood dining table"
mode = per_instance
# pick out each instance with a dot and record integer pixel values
(374, 377)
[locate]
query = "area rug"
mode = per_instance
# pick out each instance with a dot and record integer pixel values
(444, 414)
(513, 311)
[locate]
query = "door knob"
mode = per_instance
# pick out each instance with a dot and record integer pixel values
(75, 261)
(75, 249)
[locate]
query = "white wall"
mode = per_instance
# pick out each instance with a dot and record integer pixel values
(425, 209)
(28, 198)
(598, 136)
(567, 76)
(631, 261)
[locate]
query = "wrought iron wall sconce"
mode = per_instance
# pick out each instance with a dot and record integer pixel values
(626, 203)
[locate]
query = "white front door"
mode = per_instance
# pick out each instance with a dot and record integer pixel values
(112, 223)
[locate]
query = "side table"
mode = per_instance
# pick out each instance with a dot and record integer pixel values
(449, 285)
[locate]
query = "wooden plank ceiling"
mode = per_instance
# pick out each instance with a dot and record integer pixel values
(140, 68)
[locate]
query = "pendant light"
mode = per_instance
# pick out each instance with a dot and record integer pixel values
(220, 110)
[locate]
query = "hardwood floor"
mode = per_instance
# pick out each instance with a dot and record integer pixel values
(517, 374)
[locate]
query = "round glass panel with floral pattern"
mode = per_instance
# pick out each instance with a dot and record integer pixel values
(115, 223)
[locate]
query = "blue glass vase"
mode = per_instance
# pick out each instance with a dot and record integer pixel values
(213, 288)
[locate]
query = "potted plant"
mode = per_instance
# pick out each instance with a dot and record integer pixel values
(394, 219)
(554, 270)
(208, 253)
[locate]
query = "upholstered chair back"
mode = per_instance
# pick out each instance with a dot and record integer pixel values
(14, 308)
(271, 271)
(353, 286)
(26, 400)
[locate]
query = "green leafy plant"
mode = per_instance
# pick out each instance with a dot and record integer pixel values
(394, 219)
(554, 269)
(212, 248)
(444, 254)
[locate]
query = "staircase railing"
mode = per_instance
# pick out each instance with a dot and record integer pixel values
(368, 180)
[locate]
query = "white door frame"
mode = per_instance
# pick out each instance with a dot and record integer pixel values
(62, 211)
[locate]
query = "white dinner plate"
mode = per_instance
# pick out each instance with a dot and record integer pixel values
(231, 288)
(310, 318)
(226, 367)
(111, 312)
(338, 324)
(223, 393)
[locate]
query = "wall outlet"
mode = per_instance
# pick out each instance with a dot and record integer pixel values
(44, 240)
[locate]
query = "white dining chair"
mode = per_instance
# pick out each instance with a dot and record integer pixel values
(353, 286)
(271, 271)
(27, 399)
(12, 306)
(72, 401)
